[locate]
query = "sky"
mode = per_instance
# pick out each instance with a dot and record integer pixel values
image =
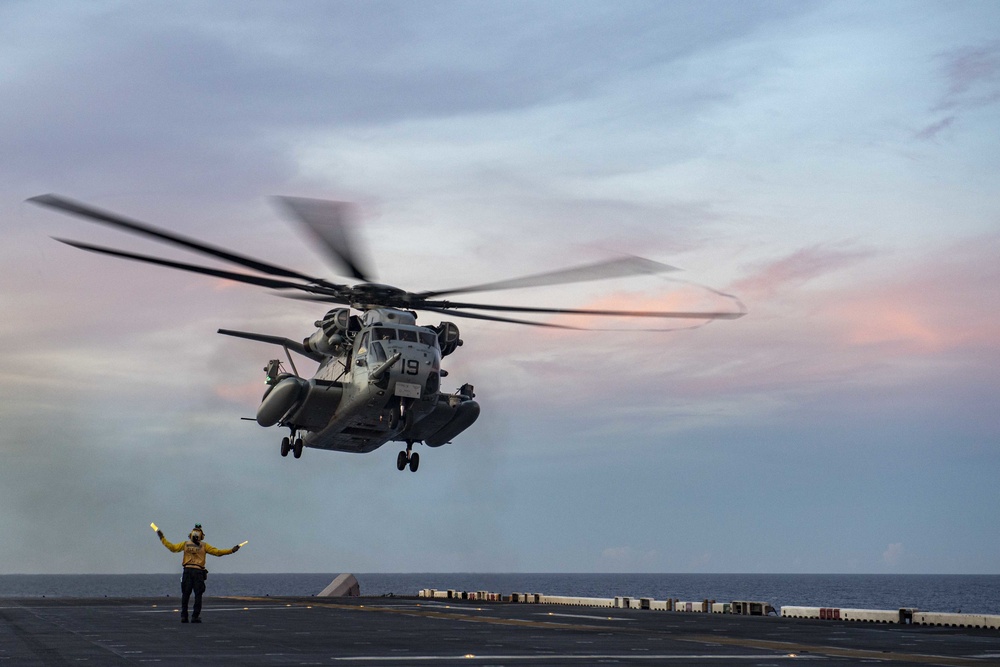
(833, 164)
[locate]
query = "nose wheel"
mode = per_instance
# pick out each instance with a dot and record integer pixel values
(293, 446)
(408, 458)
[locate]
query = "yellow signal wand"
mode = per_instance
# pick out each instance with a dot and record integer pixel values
(244, 543)
(153, 526)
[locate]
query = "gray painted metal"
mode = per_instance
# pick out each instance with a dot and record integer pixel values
(408, 631)
(343, 585)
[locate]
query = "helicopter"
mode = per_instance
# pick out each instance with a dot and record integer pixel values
(379, 372)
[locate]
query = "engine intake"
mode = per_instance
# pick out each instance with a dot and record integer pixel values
(448, 337)
(335, 329)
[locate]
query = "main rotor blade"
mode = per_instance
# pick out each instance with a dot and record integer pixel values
(615, 268)
(104, 217)
(447, 305)
(326, 222)
(262, 281)
(493, 318)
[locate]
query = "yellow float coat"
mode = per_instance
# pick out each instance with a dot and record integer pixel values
(194, 554)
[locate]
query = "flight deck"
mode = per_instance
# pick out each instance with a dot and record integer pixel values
(417, 631)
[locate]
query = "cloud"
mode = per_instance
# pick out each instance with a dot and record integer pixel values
(798, 268)
(886, 338)
(932, 130)
(972, 75)
(938, 303)
(893, 553)
(498, 140)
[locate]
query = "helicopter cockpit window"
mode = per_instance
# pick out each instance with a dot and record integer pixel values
(383, 333)
(427, 338)
(362, 348)
(408, 335)
(377, 353)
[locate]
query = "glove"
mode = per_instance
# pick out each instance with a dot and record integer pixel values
(236, 548)
(159, 534)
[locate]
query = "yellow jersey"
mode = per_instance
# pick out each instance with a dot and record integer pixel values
(194, 554)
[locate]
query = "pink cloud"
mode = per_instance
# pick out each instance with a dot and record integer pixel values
(885, 323)
(797, 269)
(945, 302)
(903, 326)
(245, 394)
(939, 308)
(682, 297)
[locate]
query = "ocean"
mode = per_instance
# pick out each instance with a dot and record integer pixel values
(943, 593)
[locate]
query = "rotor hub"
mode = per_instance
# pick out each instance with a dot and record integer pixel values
(374, 295)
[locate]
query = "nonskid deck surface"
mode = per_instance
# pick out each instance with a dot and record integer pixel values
(410, 631)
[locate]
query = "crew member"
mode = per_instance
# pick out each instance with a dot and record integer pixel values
(195, 573)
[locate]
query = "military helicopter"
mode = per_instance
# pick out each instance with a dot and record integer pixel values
(379, 374)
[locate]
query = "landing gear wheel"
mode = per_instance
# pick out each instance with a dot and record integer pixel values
(297, 448)
(408, 457)
(286, 446)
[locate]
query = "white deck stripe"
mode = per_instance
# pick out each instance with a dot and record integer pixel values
(567, 656)
(599, 618)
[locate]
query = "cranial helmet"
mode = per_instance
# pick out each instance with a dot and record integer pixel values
(197, 531)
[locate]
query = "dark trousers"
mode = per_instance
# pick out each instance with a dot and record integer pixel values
(192, 580)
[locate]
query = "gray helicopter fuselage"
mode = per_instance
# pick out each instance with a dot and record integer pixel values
(364, 418)
(381, 384)
(379, 373)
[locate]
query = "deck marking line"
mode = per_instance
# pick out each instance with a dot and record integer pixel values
(596, 618)
(836, 651)
(450, 616)
(564, 656)
(779, 646)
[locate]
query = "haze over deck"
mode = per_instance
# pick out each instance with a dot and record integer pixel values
(833, 165)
